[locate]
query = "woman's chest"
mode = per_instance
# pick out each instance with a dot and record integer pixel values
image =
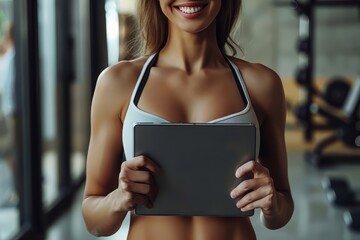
(191, 99)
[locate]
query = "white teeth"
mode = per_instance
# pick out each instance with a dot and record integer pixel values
(190, 10)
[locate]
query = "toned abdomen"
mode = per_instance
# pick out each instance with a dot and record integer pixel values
(190, 228)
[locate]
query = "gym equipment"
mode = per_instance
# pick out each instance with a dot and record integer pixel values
(336, 91)
(302, 113)
(352, 219)
(338, 95)
(305, 9)
(341, 197)
(334, 95)
(331, 183)
(303, 45)
(347, 130)
(338, 192)
(303, 76)
(302, 7)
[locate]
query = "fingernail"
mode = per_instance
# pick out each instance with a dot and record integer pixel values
(239, 205)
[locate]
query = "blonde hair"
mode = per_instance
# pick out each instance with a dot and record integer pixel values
(129, 46)
(153, 25)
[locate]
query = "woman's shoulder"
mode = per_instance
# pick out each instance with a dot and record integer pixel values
(115, 85)
(118, 80)
(121, 75)
(263, 84)
(257, 72)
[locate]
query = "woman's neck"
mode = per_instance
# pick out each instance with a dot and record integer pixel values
(192, 52)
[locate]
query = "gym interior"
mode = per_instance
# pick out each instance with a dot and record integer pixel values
(62, 46)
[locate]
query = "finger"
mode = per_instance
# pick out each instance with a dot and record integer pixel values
(263, 203)
(135, 199)
(251, 166)
(139, 194)
(141, 162)
(149, 190)
(138, 176)
(254, 196)
(127, 180)
(249, 185)
(244, 187)
(139, 188)
(244, 169)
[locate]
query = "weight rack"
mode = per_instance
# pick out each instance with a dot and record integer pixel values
(305, 73)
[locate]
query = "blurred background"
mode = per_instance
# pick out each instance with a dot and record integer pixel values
(51, 52)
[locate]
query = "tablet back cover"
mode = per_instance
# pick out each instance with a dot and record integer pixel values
(198, 164)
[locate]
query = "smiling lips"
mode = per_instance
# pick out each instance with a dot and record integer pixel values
(191, 9)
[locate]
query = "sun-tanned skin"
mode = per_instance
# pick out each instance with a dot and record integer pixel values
(190, 82)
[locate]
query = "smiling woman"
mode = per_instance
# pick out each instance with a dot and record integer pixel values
(183, 15)
(154, 24)
(184, 76)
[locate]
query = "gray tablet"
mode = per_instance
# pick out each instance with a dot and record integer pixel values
(198, 164)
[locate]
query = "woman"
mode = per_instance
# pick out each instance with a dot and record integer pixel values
(188, 79)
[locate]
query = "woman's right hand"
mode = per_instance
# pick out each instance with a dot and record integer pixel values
(136, 184)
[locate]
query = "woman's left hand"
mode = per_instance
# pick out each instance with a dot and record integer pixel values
(258, 192)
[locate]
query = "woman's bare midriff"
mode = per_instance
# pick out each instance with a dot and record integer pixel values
(190, 228)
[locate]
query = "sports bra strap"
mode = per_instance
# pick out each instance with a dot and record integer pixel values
(144, 74)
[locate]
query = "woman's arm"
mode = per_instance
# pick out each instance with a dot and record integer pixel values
(273, 156)
(269, 189)
(103, 161)
(112, 188)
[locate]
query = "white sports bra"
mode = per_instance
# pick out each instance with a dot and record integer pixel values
(136, 115)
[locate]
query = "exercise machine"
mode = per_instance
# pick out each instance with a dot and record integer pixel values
(340, 194)
(336, 95)
(346, 129)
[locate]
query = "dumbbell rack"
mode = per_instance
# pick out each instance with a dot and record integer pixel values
(305, 74)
